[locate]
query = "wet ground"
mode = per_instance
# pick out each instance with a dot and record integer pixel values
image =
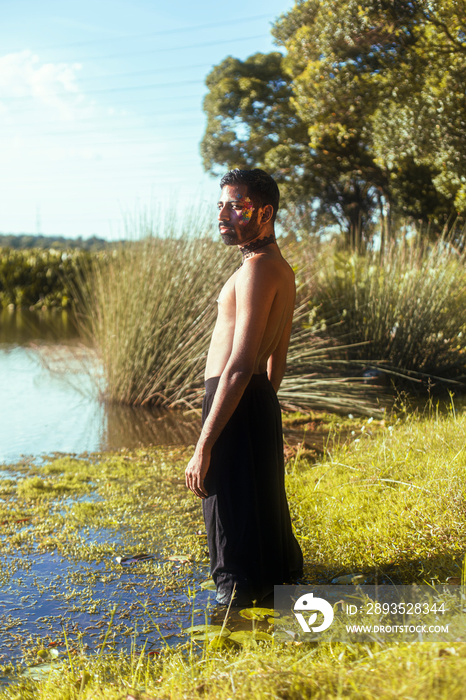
(106, 548)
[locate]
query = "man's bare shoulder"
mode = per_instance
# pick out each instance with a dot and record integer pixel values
(266, 268)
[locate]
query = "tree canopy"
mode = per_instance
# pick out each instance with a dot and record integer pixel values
(364, 112)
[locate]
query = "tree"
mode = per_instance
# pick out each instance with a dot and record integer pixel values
(421, 119)
(252, 122)
(365, 112)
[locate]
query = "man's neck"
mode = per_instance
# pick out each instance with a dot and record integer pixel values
(249, 249)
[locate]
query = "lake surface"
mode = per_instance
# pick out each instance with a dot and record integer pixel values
(49, 400)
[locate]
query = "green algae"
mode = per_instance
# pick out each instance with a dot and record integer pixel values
(67, 523)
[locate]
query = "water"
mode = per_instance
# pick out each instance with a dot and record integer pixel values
(49, 402)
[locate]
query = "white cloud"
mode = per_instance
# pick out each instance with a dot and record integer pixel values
(27, 84)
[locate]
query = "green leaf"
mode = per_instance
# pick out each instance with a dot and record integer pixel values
(258, 613)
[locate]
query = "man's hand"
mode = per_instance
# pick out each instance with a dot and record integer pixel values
(196, 471)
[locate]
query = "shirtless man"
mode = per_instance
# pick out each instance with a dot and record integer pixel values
(237, 467)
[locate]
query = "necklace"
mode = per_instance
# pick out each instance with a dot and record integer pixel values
(248, 250)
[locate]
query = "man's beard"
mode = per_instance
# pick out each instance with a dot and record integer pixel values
(230, 238)
(250, 232)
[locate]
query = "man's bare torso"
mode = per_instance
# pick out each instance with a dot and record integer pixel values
(276, 333)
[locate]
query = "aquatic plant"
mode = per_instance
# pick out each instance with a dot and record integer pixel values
(390, 503)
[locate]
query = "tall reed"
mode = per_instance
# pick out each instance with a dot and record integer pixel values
(403, 308)
(149, 307)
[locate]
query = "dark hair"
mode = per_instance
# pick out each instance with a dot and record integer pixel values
(262, 188)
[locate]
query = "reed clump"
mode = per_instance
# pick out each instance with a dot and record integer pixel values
(401, 308)
(149, 308)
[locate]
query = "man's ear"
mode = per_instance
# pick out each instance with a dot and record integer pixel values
(267, 214)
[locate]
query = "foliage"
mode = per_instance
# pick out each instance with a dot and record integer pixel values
(421, 117)
(251, 122)
(373, 111)
(22, 241)
(405, 306)
(39, 278)
(391, 503)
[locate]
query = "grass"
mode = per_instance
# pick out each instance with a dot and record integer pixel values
(389, 503)
(401, 309)
(149, 309)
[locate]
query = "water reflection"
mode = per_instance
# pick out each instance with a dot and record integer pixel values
(134, 427)
(49, 399)
(20, 326)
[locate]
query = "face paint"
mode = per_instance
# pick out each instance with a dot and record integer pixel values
(246, 211)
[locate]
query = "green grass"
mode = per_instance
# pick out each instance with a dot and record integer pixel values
(402, 309)
(391, 502)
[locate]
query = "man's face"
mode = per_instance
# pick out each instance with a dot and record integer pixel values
(237, 216)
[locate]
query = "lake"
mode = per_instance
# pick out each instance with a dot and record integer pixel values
(49, 401)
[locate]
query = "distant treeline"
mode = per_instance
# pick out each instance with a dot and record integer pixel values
(26, 241)
(39, 278)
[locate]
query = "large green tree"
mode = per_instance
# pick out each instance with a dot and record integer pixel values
(421, 117)
(252, 122)
(364, 111)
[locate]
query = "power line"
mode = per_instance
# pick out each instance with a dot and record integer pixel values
(102, 91)
(105, 125)
(176, 69)
(104, 128)
(171, 48)
(163, 32)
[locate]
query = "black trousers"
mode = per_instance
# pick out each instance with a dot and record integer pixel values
(251, 542)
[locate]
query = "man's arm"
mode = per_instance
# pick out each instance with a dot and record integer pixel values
(255, 290)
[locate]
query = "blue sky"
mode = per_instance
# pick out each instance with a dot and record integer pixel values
(101, 106)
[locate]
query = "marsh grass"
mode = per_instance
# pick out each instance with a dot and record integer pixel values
(417, 671)
(149, 308)
(390, 504)
(401, 308)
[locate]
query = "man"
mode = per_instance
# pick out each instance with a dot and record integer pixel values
(237, 467)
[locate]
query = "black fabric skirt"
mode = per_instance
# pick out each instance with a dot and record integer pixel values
(251, 542)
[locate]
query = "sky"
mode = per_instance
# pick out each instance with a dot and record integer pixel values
(101, 106)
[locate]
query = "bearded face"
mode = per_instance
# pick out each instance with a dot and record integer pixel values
(237, 216)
